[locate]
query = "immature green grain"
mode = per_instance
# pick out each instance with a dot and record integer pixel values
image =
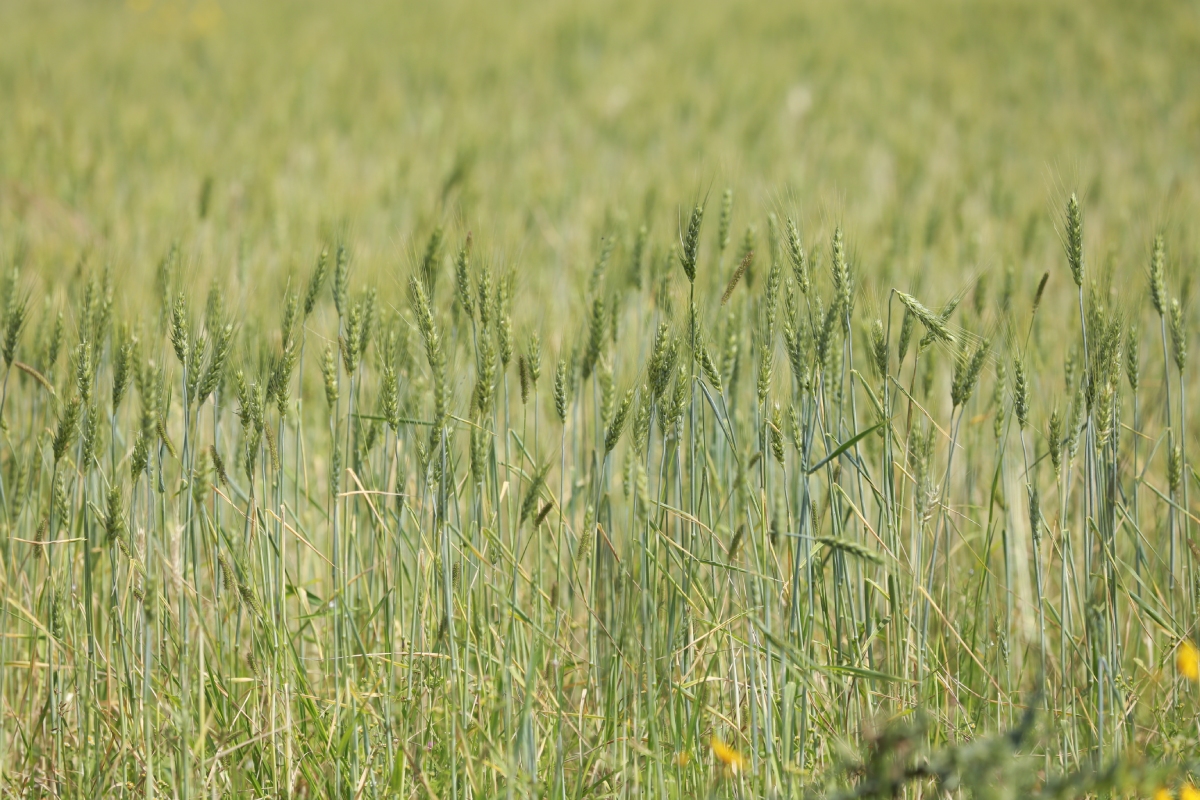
(329, 371)
(608, 390)
(1158, 279)
(89, 437)
(311, 292)
(825, 335)
(998, 398)
(934, 324)
(179, 328)
(462, 277)
(691, 244)
(709, 368)
(140, 458)
(431, 261)
(122, 366)
(766, 369)
(533, 356)
(724, 221)
(64, 434)
(85, 371)
(53, 344)
(600, 267)
(114, 516)
(1073, 239)
(771, 300)
(485, 372)
(879, 349)
(595, 338)
(617, 426)
(1020, 392)
(1179, 342)
(663, 355)
(15, 317)
(523, 378)
(906, 329)
(504, 334)
(218, 465)
(966, 374)
(843, 280)
(796, 254)
(341, 280)
(560, 390)
(1133, 368)
(484, 290)
(641, 420)
(214, 370)
(637, 257)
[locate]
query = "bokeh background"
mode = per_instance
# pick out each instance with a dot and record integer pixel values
(250, 132)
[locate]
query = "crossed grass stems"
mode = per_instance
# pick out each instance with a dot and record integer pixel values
(400, 591)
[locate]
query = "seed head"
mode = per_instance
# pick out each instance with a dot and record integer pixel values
(1179, 341)
(122, 364)
(54, 345)
(463, 278)
(1074, 239)
(709, 368)
(504, 337)
(1055, 440)
(560, 390)
(534, 359)
(1175, 469)
(341, 279)
(796, 253)
(15, 317)
(617, 426)
(879, 349)
(1020, 392)
(595, 340)
(743, 265)
(431, 263)
(1132, 359)
(315, 282)
(934, 324)
(179, 328)
(114, 522)
(1158, 278)
(691, 244)
(966, 374)
(90, 437)
(65, 434)
(329, 371)
(141, 456)
(725, 221)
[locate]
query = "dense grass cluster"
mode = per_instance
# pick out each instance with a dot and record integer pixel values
(397, 403)
(749, 522)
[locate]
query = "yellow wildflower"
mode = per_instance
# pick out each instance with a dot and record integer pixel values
(1187, 661)
(731, 758)
(1189, 792)
(1162, 794)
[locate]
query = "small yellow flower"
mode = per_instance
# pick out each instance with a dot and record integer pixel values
(731, 758)
(1187, 661)
(1187, 791)
(1162, 794)
(683, 758)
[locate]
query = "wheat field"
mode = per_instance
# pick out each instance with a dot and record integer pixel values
(581, 400)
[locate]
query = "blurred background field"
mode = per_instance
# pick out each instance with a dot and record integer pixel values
(535, 124)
